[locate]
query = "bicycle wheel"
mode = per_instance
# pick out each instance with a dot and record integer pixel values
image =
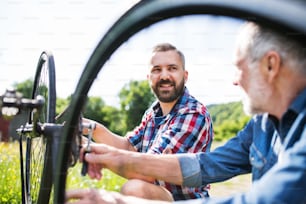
(144, 14)
(38, 172)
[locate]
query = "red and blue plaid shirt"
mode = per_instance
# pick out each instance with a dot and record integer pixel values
(187, 128)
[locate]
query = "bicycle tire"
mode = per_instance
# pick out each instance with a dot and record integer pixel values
(38, 171)
(144, 14)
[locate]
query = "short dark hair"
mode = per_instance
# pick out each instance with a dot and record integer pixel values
(163, 47)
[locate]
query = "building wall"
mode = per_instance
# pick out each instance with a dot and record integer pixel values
(4, 129)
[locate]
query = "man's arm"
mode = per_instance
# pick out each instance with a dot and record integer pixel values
(133, 165)
(103, 135)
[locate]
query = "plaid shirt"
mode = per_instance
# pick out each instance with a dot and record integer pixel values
(187, 128)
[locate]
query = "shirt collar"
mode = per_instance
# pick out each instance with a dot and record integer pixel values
(297, 106)
(299, 103)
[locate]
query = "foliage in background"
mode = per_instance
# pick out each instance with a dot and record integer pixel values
(25, 88)
(135, 98)
(62, 104)
(228, 119)
(111, 117)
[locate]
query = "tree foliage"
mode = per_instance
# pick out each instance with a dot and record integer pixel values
(227, 119)
(135, 98)
(61, 105)
(93, 109)
(25, 88)
(111, 117)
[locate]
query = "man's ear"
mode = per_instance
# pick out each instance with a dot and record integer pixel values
(185, 76)
(273, 64)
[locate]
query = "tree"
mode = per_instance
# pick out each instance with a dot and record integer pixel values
(135, 98)
(228, 119)
(111, 117)
(93, 109)
(114, 120)
(62, 104)
(25, 88)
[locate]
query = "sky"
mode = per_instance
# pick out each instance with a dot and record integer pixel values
(71, 29)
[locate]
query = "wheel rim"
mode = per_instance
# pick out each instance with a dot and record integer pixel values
(38, 154)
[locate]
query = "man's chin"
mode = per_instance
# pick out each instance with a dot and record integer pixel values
(166, 98)
(250, 109)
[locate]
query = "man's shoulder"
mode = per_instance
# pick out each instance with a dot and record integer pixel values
(192, 105)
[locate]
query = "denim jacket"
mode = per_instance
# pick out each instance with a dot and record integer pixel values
(273, 151)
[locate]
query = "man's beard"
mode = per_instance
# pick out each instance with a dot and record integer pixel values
(252, 102)
(168, 96)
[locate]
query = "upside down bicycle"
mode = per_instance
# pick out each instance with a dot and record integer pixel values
(52, 143)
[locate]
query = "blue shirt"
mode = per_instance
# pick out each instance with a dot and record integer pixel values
(273, 151)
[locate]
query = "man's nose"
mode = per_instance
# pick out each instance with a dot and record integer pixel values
(164, 74)
(235, 79)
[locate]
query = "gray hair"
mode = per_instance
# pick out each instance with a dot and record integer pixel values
(163, 47)
(259, 40)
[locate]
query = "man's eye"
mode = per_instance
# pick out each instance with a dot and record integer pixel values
(155, 70)
(173, 68)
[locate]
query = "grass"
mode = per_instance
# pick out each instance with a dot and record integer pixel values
(235, 185)
(110, 181)
(10, 185)
(10, 189)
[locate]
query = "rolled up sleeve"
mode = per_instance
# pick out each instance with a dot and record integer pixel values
(191, 170)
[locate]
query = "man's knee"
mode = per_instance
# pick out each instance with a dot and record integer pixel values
(134, 188)
(146, 190)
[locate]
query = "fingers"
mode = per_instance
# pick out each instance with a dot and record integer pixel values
(79, 196)
(94, 161)
(101, 148)
(103, 156)
(76, 194)
(95, 171)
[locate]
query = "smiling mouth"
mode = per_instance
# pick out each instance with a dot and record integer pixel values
(165, 85)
